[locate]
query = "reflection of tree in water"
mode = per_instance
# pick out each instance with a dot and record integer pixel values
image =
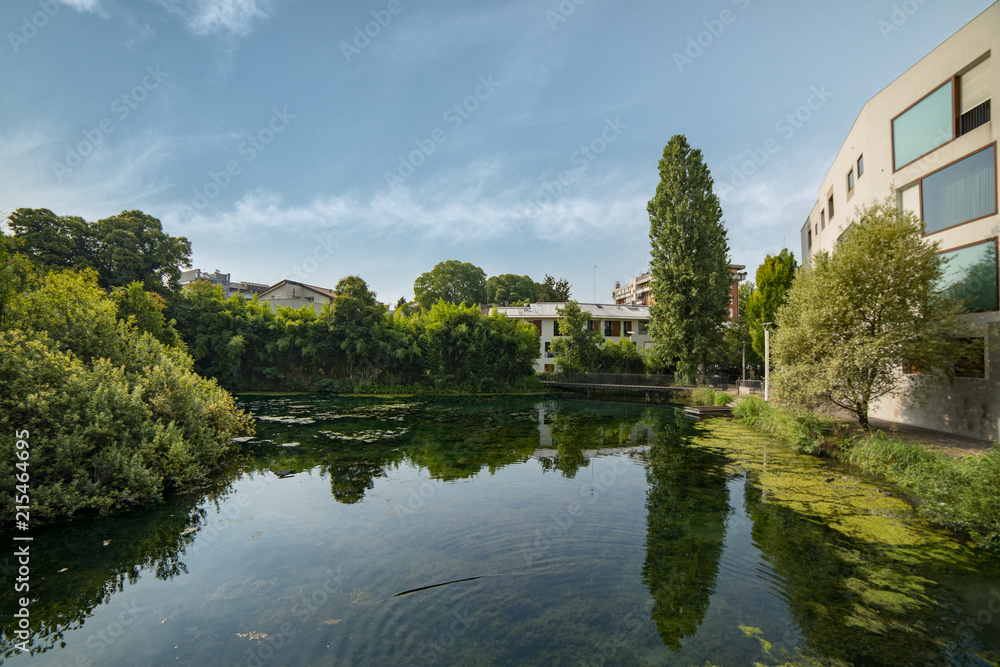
(687, 506)
(119, 549)
(977, 287)
(853, 601)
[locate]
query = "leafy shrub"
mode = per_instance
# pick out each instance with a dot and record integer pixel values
(114, 417)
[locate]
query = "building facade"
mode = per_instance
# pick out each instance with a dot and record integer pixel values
(616, 322)
(229, 288)
(638, 291)
(291, 294)
(928, 139)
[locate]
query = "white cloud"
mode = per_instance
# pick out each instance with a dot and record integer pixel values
(452, 209)
(85, 6)
(231, 17)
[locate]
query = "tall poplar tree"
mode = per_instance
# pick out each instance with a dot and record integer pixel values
(774, 278)
(689, 251)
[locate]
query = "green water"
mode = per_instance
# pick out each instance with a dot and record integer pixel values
(572, 532)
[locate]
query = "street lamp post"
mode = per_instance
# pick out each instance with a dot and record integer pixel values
(767, 359)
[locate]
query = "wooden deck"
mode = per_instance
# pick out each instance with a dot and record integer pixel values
(705, 411)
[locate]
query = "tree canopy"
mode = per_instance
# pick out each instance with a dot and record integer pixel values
(691, 280)
(510, 290)
(860, 316)
(453, 282)
(123, 248)
(553, 290)
(774, 279)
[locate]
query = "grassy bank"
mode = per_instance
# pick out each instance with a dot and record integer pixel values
(959, 494)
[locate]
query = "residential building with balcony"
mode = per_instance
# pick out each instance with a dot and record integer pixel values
(928, 138)
(615, 321)
(638, 291)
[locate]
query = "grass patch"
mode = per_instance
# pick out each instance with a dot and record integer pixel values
(706, 396)
(806, 431)
(959, 494)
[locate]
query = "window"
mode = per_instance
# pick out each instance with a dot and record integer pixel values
(963, 191)
(829, 206)
(972, 362)
(822, 219)
(627, 327)
(974, 96)
(923, 127)
(643, 326)
(607, 328)
(861, 165)
(548, 350)
(850, 180)
(555, 328)
(592, 325)
(971, 275)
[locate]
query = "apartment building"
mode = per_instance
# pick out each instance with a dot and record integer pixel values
(638, 291)
(229, 288)
(928, 137)
(616, 322)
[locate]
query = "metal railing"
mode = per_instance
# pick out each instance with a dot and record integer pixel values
(634, 379)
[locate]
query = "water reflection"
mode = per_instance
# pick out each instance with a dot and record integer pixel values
(78, 566)
(687, 508)
(681, 543)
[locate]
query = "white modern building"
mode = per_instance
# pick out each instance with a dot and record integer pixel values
(928, 137)
(615, 322)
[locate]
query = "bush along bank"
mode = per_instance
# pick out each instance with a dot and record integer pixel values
(959, 494)
(106, 416)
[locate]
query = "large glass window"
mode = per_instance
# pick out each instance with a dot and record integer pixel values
(964, 191)
(971, 275)
(923, 127)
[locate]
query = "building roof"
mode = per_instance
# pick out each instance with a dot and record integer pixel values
(597, 311)
(329, 293)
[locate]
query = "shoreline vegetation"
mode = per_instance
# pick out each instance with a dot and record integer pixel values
(959, 494)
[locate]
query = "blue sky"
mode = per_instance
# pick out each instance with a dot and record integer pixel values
(315, 140)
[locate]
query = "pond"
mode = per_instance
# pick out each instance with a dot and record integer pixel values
(508, 531)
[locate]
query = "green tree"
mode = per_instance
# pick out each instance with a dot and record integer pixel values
(124, 248)
(774, 278)
(577, 347)
(691, 280)
(552, 290)
(132, 246)
(53, 241)
(358, 323)
(738, 342)
(509, 290)
(453, 282)
(16, 274)
(858, 316)
(145, 311)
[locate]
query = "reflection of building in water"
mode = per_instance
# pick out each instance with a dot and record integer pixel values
(928, 137)
(615, 438)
